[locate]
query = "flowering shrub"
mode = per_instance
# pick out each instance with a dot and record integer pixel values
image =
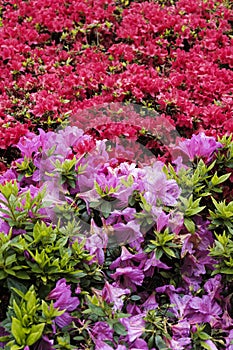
(135, 256)
(114, 232)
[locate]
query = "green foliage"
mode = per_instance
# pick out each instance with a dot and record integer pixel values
(164, 243)
(223, 252)
(222, 216)
(158, 327)
(202, 333)
(44, 253)
(20, 210)
(49, 254)
(67, 171)
(26, 168)
(28, 317)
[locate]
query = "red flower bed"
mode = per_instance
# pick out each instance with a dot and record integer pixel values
(58, 57)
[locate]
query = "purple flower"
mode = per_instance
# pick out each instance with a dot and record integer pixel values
(176, 221)
(162, 220)
(107, 183)
(229, 340)
(213, 287)
(139, 344)
(158, 187)
(125, 233)
(4, 227)
(44, 344)
(181, 344)
(126, 259)
(130, 277)
(180, 335)
(135, 326)
(201, 310)
(151, 263)
(133, 309)
(31, 143)
(150, 303)
(64, 301)
(102, 331)
(97, 242)
(8, 176)
(210, 344)
(195, 250)
(113, 294)
(199, 146)
(117, 216)
(100, 345)
(181, 330)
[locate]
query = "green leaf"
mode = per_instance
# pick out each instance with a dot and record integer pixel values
(203, 336)
(17, 310)
(17, 331)
(160, 343)
(36, 333)
(205, 345)
(135, 297)
(189, 224)
(218, 180)
(3, 274)
(23, 275)
(10, 259)
(119, 328)
(169, 252)
(151, 341)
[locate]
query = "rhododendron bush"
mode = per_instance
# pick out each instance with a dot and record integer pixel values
(116, 158)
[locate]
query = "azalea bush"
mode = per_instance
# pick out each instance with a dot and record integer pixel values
(135, 256)
(116, 161)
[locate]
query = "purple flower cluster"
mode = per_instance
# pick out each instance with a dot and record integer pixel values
(160, 263)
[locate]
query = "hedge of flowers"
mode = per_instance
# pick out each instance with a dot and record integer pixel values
(116, 196)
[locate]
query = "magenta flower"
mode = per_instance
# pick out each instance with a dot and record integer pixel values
(44, 344)
(151, 262)
(126, 259)
(101, 345)
(102, 331)
(63, 301)
(130, 277)
(150, 303)
(113, 294)
(199, 146)
(135, 326)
